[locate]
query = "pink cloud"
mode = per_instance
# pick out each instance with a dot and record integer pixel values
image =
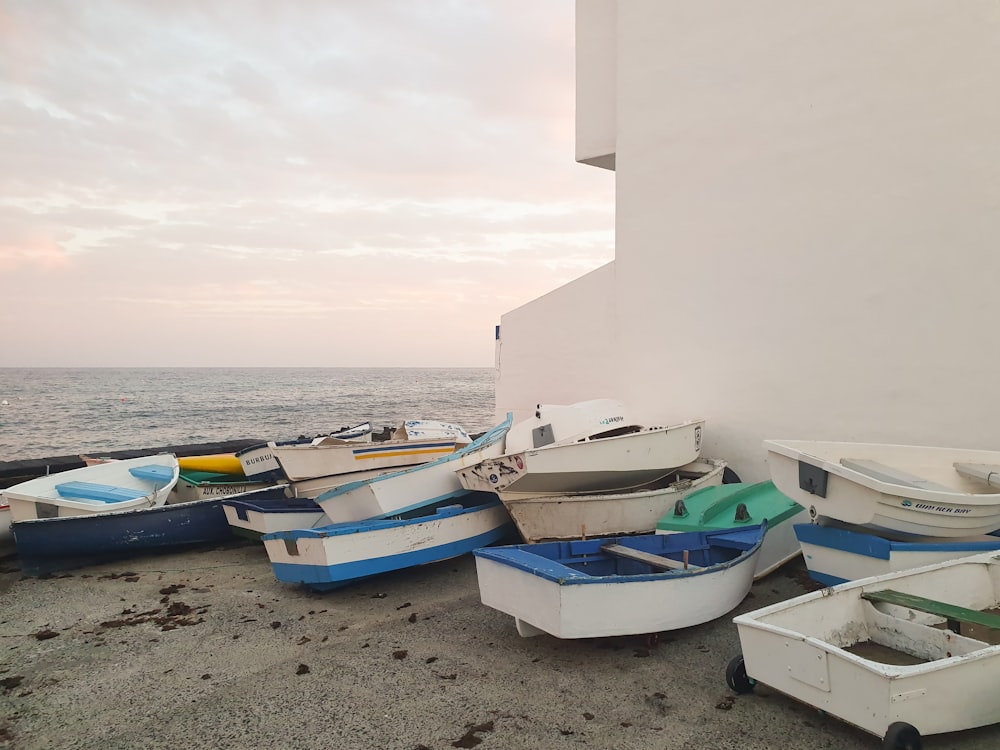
(38, 252)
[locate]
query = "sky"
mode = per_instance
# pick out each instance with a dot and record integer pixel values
(348, 183)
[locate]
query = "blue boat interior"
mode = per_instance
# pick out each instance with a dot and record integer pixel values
(152, 472)
(591, 560)
(101, 493)
(275, 502)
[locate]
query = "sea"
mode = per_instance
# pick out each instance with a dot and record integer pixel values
(49, 412)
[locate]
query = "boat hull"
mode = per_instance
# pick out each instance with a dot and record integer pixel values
(835, 555)
(742, 504)
(936, 502)
(572, 516)
(334, 555)
(52, 544)
(812, 648)
(599, 465)
(574, 589)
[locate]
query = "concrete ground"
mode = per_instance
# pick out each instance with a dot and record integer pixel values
(206, 649)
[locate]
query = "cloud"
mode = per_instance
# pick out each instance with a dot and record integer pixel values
(261, 161)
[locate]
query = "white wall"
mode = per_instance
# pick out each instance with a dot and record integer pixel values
(596, 81)
(813, 192)
(559, 348)
(808, 202)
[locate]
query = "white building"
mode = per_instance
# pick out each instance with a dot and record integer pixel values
(808, 225)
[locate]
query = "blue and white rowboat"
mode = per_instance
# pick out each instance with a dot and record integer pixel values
(332, 556)
(836, 555)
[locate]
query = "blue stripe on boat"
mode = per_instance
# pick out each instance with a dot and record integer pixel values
(870, 545)
(332, 576)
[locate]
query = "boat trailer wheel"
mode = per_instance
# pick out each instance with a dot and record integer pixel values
(901, 736)
(737, 678)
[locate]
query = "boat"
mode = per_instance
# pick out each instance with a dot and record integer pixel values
(294, 507)
(416, 442)
(567, 423)
(400, 492)
(198, 485)
(619, 456)
(258, 461)
(332, 556)
(267, 513)
(581, 514)
(6, 535)
(128, 484)
(627, 585)
(910, 490)
(836, 554)
(900, 655)
(92, 460)
(215, 463)
(48, 545)
(313, 488)
(742, 504)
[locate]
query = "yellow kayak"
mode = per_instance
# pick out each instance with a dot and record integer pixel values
(218, 463)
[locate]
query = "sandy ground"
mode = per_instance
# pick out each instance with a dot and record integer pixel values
(206, 649)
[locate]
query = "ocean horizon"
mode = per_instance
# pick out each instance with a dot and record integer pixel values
(55, 411)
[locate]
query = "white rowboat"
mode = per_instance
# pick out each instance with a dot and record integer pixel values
(908, 490)
(900, 655)
(835, 554)
(598, 463)
(619, 585)
(143, 482)
(581, 515)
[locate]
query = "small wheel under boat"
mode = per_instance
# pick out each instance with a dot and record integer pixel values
(737, 677)
(730, 477)
(901, 736)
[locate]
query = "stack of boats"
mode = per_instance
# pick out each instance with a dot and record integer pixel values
(307, 468)
(69, 518)
(393, 520)
(906, 643)
(590, 492)
(611, 526)
(878, 508)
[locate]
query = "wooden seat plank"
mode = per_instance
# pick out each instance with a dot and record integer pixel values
(656, 561)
